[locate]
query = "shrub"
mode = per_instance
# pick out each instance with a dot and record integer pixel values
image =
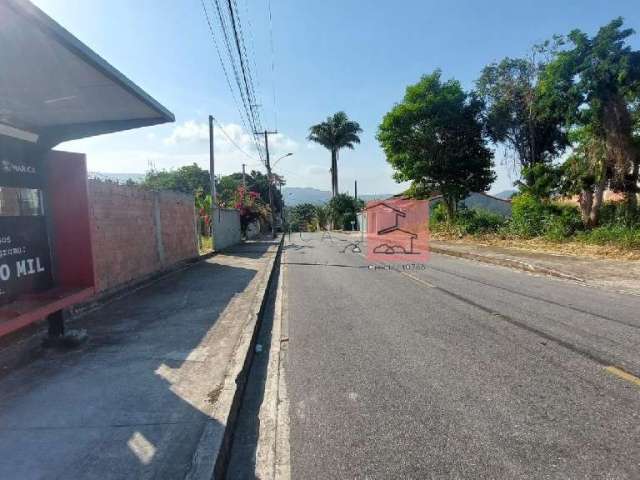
(438, 214)
(477, 221)
(617, 235)
(527, 216)
(467, 222)
(561, 221)
(612, 214)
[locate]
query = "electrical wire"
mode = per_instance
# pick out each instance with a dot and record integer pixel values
(224, 68)
(232, 140)
(273, 68)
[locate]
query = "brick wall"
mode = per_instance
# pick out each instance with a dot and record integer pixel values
(136, 232)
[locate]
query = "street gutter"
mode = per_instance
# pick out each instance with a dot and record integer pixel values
(212, 454)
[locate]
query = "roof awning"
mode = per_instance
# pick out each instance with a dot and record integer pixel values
(54, 86)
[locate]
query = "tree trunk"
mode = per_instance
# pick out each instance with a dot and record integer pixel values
(618, 136)
(598, 196)
(631, 187)
(450, 205)
(586, 204)
(334, 173)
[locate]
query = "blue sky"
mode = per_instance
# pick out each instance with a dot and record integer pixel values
(331, 55)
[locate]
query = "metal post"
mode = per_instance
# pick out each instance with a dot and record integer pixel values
(273, 221)
(355, 193)
(270, 180)
(212, 174)
(56, 324)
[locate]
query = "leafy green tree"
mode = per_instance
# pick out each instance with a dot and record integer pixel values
(585, 173)
(255, 181)
(302, 216)
(591, 84)
(434, 138)
(342, 210)
(335, 133)
(322, 214)
(187, 179)
(515, 116)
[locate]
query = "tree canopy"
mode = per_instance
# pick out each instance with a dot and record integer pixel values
(187, 179)
(515, 115)
(434, 138)
(335, 133)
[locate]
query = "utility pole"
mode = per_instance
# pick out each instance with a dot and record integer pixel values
(212, 173)
(355, 194)
(270, 180)
(244, 183)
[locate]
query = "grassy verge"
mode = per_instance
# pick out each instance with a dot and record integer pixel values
(206, 244)
(550, 228)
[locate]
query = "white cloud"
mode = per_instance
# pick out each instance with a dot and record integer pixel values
(227, 138)
(188, 132)
(317, 170)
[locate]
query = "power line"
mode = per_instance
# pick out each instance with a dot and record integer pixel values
(224, 68)
(243, 67)
(223, 27)
(273, 68)
(232, 141)
(246, 99)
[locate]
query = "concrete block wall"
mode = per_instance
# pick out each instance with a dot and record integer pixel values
(137, 232)
(226, 228)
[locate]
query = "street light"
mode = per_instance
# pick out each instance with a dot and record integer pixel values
(287, 155)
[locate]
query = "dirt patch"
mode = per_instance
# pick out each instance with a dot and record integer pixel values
(213, 395)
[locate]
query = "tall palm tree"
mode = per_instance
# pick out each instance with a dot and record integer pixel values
(334, 133)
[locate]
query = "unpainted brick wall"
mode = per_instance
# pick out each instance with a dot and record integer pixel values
(136, 232)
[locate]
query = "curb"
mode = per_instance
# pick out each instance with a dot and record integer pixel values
(212, 454)
(506, 262)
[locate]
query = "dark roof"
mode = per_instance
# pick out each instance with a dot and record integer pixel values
(55, 86)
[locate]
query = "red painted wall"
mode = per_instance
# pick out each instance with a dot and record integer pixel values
(66, 177)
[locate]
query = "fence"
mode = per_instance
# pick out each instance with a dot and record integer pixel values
(226, 228)
(136, 232)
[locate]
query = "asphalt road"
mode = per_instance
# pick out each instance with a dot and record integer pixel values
(460, 370)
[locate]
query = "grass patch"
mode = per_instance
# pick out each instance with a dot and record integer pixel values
(206, 244)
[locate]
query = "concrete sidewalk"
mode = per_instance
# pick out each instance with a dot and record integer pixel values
(151, 392)
(619, 275)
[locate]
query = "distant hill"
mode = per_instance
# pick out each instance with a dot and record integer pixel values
(296, 195)
(117, 177)
(506, 195)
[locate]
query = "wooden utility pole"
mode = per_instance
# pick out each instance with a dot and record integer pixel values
(212, 173)
(269, 178)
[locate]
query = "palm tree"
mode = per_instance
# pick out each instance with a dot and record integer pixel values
(334, 133)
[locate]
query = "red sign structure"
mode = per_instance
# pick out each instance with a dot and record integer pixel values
(398, 231)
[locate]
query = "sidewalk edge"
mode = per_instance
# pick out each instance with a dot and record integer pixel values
(211, 457)
(506, 262)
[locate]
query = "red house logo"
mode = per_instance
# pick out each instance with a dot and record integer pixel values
(397, 230)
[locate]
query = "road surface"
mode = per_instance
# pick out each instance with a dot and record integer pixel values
(460, 370)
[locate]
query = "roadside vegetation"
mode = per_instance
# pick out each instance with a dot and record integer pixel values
(567, 116)
(252, 198)
(338, 213)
